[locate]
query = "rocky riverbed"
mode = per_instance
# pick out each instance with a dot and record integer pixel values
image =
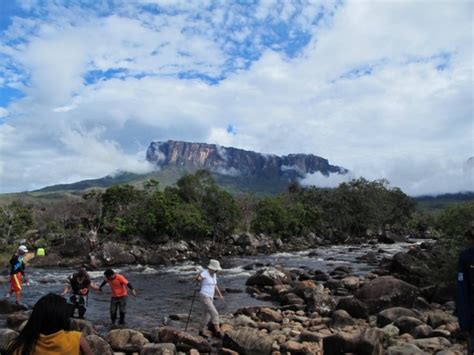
(361, 306)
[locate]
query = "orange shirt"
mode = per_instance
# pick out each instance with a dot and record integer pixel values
(59, 343)
(118, 285)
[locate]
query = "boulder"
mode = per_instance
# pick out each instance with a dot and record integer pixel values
(368, 342)
(410, 267)
(7, 307)
(269, 277)
(437, 318)
(422, 331)
(126, 340)
(407, 324)
(405, 349)
(114, 254)
(390, 315)
(322, 303)
(183, 340)
(159, 349)
(295, 348)
(99, 346)
(6, 336)
(225, 351)
(247, 341)
(390, 330)
(74, 246)
(371, 342)
(84, 326)
(354, 307)
(311, 337)
(270, 315)
(243, 320)
(15, 320)
(432, 344)
(385, 292)
(248, 240)
(340, 319)
(351, 283)
(388, 237)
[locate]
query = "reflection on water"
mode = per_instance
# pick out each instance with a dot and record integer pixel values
(168, 290)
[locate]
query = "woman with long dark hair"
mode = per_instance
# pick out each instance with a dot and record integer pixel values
(48, 331)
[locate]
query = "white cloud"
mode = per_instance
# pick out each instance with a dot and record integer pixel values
(367, 92)
(3, 112)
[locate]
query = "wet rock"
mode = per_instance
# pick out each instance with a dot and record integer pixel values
(7, 307)
(354, 307)
(340, 319)
(84, 326)
(127, 340)
(99, 346)
(407, 324)
(405, 349)
(385, 292)
(389, 315)
(6, 336)
(183, 340)
(159, 349)
(248, 342)
(269, 277)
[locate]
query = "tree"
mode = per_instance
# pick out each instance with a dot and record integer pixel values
(15, 219)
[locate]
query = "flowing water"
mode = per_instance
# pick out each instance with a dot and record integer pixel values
(163, 291)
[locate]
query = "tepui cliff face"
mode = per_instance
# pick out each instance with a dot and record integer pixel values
(237, 162)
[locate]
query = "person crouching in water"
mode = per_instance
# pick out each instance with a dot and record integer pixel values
(48, 331)
(17, 271)
(79, 285)
(208, 281)
(118, 284)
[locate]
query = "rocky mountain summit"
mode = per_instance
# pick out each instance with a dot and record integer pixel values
(237, 162)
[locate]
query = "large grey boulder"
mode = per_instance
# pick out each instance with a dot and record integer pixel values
(126, 340)
(114, 254)
(354, 307)
(99, 346)
(390, 315)
(269, 277)
(368, 342)
(247, 341)
(183, 340)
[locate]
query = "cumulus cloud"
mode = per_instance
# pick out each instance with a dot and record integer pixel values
(389, 99)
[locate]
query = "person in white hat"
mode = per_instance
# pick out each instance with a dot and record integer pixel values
(17, 271)
(208, 281)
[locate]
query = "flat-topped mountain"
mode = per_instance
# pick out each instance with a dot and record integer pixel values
(237, 162)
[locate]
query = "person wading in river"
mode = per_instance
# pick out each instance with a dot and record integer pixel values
(118, 284)
(208, 281)
(79, 284)
(17, 271)
(465, 290)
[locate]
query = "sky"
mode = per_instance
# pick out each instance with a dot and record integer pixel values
(383, 88)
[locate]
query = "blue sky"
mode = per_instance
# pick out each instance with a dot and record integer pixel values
(382, 88)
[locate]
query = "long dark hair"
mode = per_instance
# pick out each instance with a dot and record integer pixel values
(50, 315)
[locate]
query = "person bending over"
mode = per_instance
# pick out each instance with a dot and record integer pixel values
(79, 285)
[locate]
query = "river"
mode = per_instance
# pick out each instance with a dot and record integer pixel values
(163, 291)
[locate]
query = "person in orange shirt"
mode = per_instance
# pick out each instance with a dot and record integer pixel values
(47, 331)
(118, 285)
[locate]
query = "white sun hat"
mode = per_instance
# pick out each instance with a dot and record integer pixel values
(23, 249)
(214, 265)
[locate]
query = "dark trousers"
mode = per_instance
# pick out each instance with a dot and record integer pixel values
(77, 302)
(120, 304)
(470, 344)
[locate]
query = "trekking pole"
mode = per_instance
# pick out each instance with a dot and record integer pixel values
(190, 310)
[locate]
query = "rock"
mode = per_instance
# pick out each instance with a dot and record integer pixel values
(407, 324)
(354, 307)
(321, 303)
(405, 349)
(156, 257)
(441, 333)
(183, 340)
(410, 267)
(389, 315)
(15, 320)
(368, 342)
(295, 348)
(421, 304)
(74, 246)
(270, 326)
(437, 318)
(432, 344)
(388, 237)
(270, 315)
(390, 330)
(84, 326)
(311, 337)
(340, 319)
(6, 336)
(291, 299)
(7, 307)
(269, 277)
(320, 276)
(243, 320)
(351, 282)
(126, 340)
(114, 254)
(159, 349)
(422, 331)
(99, 346)
(248, 239)
(225, 351)
(247, 341)
(385, 292)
